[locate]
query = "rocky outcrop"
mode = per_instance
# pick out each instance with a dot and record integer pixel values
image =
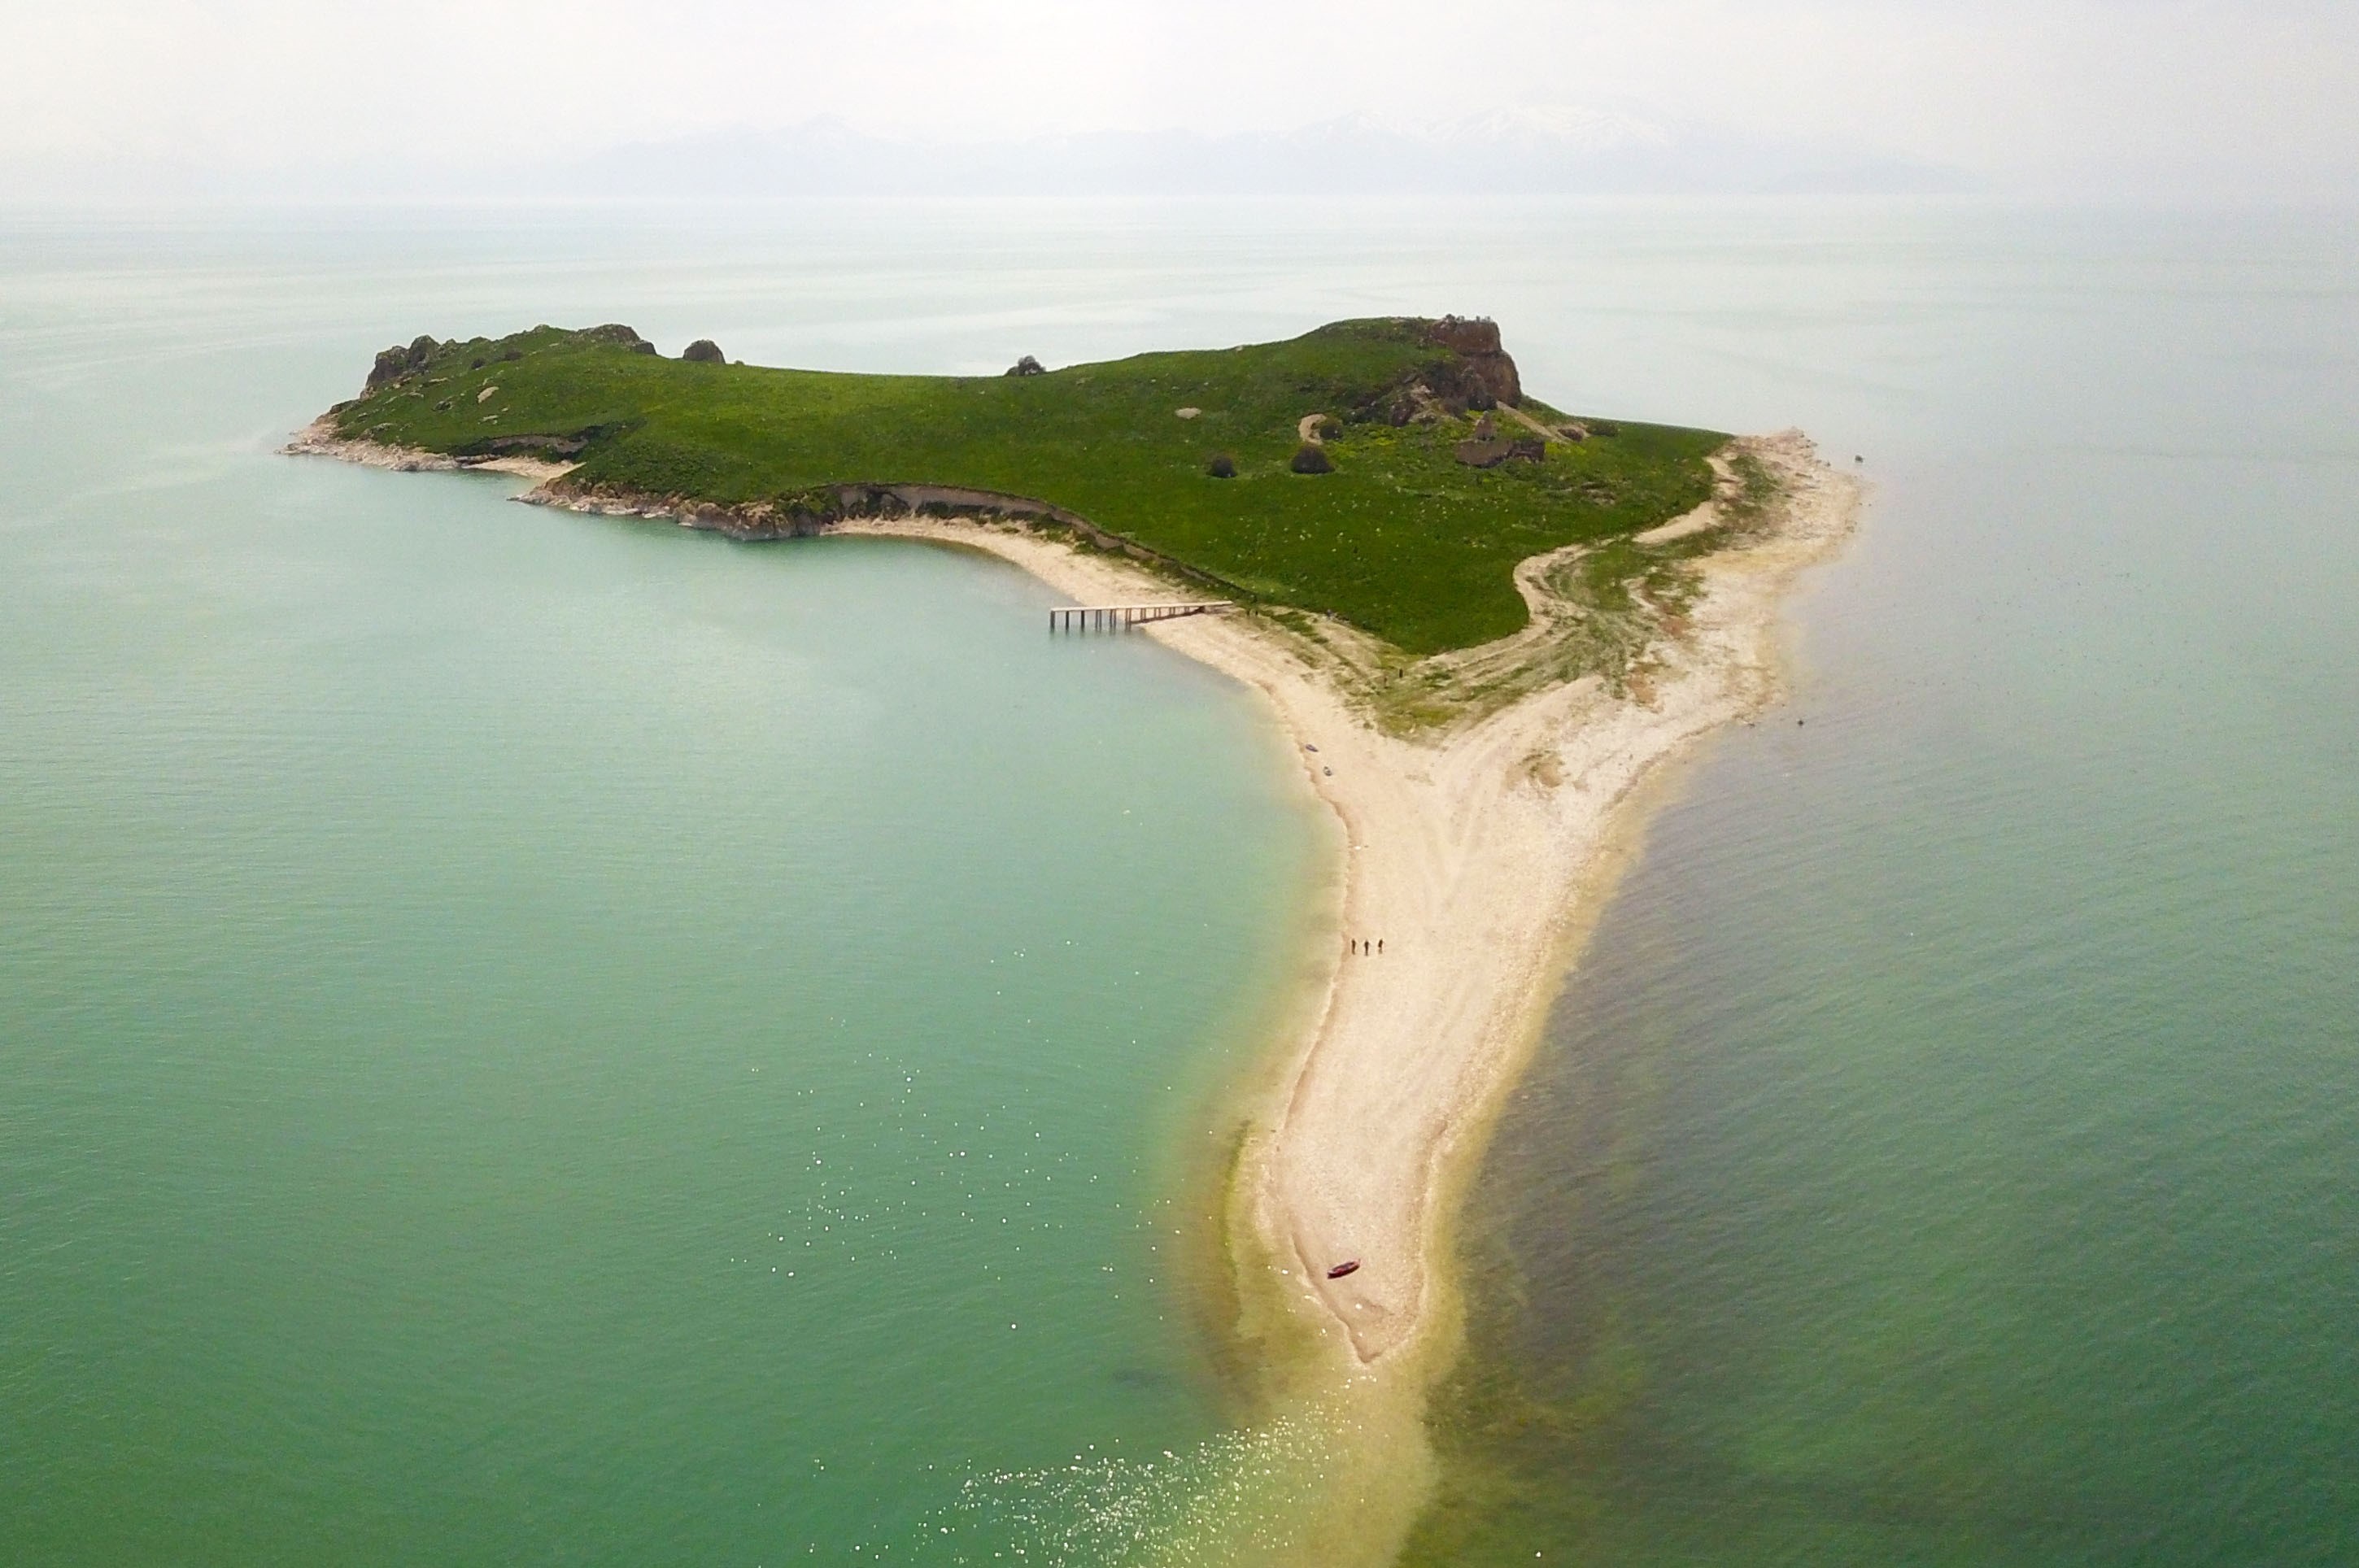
(615, 332)
(1481, 454)
(401, 363)
(1027, 365)
(555, 448)
(1480, 372)
(703, 351)
(1469, 335)
(396, 363)
(1398, 405)
(1470, 371)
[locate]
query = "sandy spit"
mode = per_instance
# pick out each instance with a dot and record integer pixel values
(1466, 856)
(1477, 856)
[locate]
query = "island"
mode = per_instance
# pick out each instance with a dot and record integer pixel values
(1483, 623)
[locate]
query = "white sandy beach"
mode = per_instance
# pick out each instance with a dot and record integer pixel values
(1470, 868)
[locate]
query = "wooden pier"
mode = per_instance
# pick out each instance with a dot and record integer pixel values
(1122, 617)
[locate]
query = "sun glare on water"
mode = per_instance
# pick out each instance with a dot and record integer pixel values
(1245, 1497)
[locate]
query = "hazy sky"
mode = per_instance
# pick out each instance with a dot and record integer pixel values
(2033, 94)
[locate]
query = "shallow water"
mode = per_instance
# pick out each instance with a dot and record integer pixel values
(1940, 1157)
(533, 1038)
(1943, 1154)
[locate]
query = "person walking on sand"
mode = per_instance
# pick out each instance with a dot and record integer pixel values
(1380, 944)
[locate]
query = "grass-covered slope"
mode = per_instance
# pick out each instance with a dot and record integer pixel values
(1401, 538)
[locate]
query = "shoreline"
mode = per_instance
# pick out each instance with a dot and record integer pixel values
(1479, 854)
(1483, 879)
(318, 440)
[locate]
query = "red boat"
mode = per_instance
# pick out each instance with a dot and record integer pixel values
(1340, 1269)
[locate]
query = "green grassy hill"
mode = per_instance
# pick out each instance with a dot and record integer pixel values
(1402, 538)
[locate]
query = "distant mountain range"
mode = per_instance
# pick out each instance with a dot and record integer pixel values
(1550, 149)
(1526, 150)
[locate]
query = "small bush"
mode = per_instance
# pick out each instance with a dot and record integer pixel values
(1311, 457)
(1027, 365)
(1223, 466)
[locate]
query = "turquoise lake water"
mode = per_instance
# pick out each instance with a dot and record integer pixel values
(452, 954)
(535, 1038)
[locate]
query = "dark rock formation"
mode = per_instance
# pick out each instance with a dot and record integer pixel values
(621, 337)
(396, 363)
(1311, 457)
(1469, 335)
(1481, 372)
(551, 447)
(1027, 365)
(1482, 454)
(814, 510)
(703, 351)
(1223, 466)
